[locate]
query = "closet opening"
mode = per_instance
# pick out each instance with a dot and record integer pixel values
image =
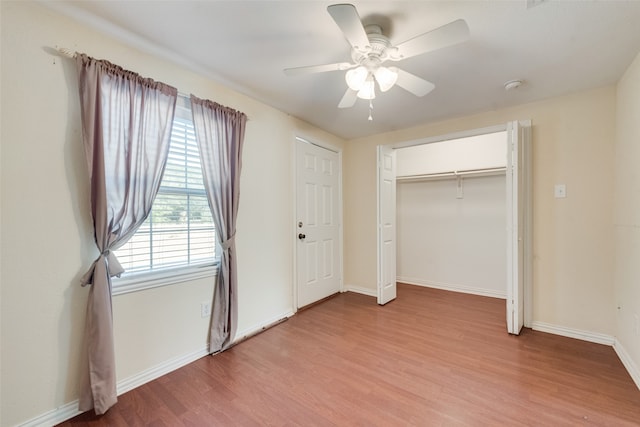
(451, 215)
(454, 213)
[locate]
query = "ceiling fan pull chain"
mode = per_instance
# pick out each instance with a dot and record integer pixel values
(370, 110)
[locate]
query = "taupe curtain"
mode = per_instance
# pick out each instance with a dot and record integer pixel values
(126, 129)
(220, 135)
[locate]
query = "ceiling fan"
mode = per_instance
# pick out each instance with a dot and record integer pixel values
(370, 49)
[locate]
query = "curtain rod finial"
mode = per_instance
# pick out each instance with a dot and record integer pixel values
(66, 52)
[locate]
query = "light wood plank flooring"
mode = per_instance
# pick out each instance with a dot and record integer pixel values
(429, 358)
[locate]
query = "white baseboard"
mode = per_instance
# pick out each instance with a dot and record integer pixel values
(54, 416)
(255, 329)
(159, 370)
(628, 362)
(453, 287)
(597, 338)
(361, 290)
(594, 337)
(70, 409)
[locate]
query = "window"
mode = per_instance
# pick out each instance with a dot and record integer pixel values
(178, 236)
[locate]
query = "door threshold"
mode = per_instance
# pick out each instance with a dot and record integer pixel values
(320, 301)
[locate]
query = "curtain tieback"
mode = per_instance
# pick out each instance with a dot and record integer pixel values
(227, 243)
(113, 267)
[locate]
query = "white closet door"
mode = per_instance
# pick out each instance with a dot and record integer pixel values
(386, 224)
(515, 227)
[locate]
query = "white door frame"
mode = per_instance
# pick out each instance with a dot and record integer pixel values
(528, 211)
(294, 235)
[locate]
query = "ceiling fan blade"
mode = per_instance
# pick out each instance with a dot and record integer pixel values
(347, 18)
(452, 33)
(349, 99)
(412, 83)
(338, 66)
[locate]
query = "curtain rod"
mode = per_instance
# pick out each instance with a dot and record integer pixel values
(72, 55)
(68, 53)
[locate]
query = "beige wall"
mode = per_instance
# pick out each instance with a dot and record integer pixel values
(627, 213)
(573, 138)
(46, 229)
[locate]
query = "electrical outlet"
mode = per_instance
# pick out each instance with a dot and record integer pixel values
(205, 309)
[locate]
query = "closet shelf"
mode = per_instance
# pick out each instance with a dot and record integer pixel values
(453, 174)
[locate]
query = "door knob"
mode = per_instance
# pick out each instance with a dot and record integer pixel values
(301, 236)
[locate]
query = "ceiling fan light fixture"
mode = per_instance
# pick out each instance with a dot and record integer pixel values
(368, 90)
(386, 78)
(356, 77)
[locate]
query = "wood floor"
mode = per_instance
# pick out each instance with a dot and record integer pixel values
(429, 358)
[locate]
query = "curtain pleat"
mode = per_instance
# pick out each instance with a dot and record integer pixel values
(126, 128)
(220, 135)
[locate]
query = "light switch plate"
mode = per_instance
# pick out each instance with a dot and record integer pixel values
(560, 191)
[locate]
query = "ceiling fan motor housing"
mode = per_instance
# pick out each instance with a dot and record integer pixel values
(376, 53)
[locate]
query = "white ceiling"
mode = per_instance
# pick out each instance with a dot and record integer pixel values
(556, 47)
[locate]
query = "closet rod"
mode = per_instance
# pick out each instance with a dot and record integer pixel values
(455, 174)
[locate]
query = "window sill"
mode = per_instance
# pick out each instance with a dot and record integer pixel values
(156, 279)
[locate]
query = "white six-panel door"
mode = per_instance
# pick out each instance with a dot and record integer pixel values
(386, 224)
(317, 223)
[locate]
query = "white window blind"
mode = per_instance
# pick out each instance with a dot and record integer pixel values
(179, 231)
